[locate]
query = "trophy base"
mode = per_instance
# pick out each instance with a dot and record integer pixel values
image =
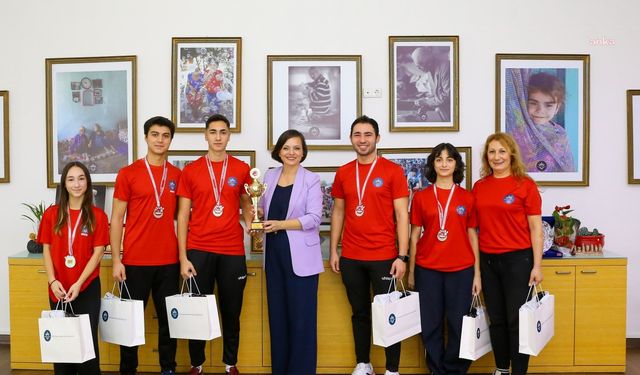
(257, 226)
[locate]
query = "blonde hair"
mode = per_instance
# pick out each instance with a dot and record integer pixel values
(506, 140)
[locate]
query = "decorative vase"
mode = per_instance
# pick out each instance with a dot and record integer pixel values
(33, 247)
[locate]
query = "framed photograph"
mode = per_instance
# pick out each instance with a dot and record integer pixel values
(327, 175)
(413, 160)
(543, 102)
(4, 137)
(319, 96)
(423, 83)
(206, 78)
(633, 136)
(91, 115)
(180, 158)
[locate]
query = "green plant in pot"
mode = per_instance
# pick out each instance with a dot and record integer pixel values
(34, 215)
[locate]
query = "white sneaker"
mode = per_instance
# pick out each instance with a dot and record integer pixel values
(391, 373)
(363, 369)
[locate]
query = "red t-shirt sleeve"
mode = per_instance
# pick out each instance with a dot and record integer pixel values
(184, 186)
(533, 201)
(122, 190)
(336, 188)
(399, 187)
(46, 227)
(472, 220)
(416, 209)
(101, 232)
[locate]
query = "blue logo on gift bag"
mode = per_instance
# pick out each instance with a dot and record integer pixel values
(172, 186)
(509, 198)
(174, 313)
(392, 319)
(232, 181)
(461, 210)
(377, 182)
(539, 326)
(47, 336)
(478, 333)
(105, 316)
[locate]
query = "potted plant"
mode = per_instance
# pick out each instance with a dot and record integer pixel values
(565, 227)
(34, 215)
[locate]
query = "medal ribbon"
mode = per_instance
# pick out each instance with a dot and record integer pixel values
(214, 183)
(442, 215)
(71, 236)
(163, 181)
(361, 192)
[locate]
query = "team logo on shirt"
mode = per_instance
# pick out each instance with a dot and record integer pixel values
(85, 231)
(392, 319)
(461, 210)
(105, 316)
(174, 313)
(377, 182)
(172, 186)
(541, 165)
(509, 198)
(232, 181)
(47, 335)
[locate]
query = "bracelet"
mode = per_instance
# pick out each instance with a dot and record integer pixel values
(51, 283)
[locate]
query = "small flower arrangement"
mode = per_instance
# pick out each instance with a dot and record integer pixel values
(565, 227)
(589, 242)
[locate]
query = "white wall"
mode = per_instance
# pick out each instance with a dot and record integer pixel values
(32, 30)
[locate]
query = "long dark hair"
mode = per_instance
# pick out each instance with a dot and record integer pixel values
(88, 218)
(430, 170)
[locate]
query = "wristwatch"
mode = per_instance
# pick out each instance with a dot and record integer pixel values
(404, 258)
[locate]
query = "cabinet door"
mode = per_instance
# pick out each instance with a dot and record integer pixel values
(559, 281)
(600, 315)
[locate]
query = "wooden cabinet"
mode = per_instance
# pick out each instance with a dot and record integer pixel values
(590, 319)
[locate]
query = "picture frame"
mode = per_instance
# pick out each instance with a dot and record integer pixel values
(542, 100)
(413, 160)
(180, 158)
(91, 115)
(633, 136)
(319, 96)
(5, 175)
(206, 78)
(327, 175)
(423, 83)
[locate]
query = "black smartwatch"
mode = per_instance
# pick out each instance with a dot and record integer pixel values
(404, 258)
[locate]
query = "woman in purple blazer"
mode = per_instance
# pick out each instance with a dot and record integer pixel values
(292, 206)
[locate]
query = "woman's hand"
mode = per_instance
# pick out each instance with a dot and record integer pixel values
(536, 276)
(73, 292)
(57, 289)
(477, 285)
(272, 226)
(411, 280)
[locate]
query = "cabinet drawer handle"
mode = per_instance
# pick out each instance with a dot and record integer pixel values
(563, 272)
(251, 273)
(42, 271)
(154, 317)
(155, 350)
(590, 272)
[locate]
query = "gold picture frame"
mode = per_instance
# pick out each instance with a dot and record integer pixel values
(633, 135)
(554, 146)
(318, 95)
(91, 115)
(424, 83)
(217, 64)
(5, 175)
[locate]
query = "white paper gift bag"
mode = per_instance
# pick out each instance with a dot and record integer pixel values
(121, 320)
(395, 316)
(65, 338)
(193, 315)
(475, 340)
(536, 322)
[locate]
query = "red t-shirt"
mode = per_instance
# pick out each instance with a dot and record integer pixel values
(502, 207)
(455, 253)
(148, 241)
(224, 234)
(371, 236)
(83, 245)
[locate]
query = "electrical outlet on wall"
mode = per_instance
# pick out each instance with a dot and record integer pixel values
(372, 93)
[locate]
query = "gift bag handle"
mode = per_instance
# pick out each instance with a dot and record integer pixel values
(533, 288)
(189, 286)
(395, 287)
(63, 306)
(120, 286)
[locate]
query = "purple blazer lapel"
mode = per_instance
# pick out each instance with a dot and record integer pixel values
(298, 187)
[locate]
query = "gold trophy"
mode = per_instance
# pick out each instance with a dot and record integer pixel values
(255, 191)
